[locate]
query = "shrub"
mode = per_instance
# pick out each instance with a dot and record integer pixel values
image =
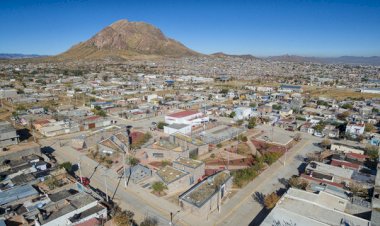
(161, 125)
(158, 187)
(271, 200)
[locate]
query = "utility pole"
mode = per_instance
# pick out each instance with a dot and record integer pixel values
(286, 150)
(80, 170)
(105, 184)
(124, 170)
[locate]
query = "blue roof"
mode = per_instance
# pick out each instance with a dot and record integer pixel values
(16, 193)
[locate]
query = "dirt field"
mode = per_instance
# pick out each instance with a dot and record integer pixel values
(339, 94)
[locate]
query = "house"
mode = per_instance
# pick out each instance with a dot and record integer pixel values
(331, 131)
(194, 167)
(189, 117)
(299, 207)
(346, 149)
(370, 90)
(164, 150)
(70, 210)
(176, 180)
(118, 142)
(290, 89)
(102, 105)
(206, 196)
(36, 110)
(242, 113)
(8, 134)
(355, 129)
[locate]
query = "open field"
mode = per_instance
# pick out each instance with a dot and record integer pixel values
(338, 94)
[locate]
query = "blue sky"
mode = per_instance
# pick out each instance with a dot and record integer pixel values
(261, 28)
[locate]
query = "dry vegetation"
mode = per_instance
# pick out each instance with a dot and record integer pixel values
(338, 94)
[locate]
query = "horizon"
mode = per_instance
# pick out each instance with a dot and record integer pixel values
(299, 28)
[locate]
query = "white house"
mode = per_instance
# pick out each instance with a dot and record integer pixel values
(177, 128)
(355, 129)
(188, 117)
(242, 113)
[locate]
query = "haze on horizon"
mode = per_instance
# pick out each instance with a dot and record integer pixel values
(261, 28)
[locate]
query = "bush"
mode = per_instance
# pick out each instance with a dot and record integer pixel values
(271, 200)
(158, 187)
(252, 123)
(219, 145)
(161, 125)
(212, 155)
(271, 157)
(67, 165)
(149, 221)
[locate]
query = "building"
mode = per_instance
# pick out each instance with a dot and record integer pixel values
(242, 113)
(346, 149)
(194, 167)
(370, 90)
(355, 129)
(298, 207)
(176, 180)
(8, 135)
(290, 89)
(206, 196)
(177, 128)
(188, 117)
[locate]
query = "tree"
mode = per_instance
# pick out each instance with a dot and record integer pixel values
(67, 166)
(158, 187)
(252, 123)
(161, 125)
(239, 122)
(277, 107)
(133, 161)
(347, 106)
(149, 221)
(343, 115)
(325, 143)
(369, 127)
(271, 200)
(224, 91)
(372, 151)
(297, 182)
(232, 114)
(123, 218)
(98, 108)
(319, 127)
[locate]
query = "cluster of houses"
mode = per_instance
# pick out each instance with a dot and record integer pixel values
(34, 190)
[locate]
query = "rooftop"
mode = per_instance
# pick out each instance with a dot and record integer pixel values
(188, 162)
(170, 174)
(182, 114)
(177, 126)
(330, 170)
(203, 191)
(300, 207)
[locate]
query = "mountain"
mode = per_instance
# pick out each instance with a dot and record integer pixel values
(244, 56)
(353, 60)
(126, 40)
(18, 56)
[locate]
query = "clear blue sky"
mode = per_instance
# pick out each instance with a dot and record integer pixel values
(261, 28)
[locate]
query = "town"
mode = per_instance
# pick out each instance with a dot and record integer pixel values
(220, 140)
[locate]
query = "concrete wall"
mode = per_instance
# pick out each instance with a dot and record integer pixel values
(212, 204)
(196, 173)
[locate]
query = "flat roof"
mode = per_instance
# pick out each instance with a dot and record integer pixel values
(330, 170)
(182, 114)
(300, 207)
(203, 191)
(170, 174)
(188, 162)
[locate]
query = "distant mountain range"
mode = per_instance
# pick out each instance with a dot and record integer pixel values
(354, 60)
(19, 56)
(125, 40)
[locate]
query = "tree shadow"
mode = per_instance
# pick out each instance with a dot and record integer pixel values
(284, 182)
(259, 197)
(24, 134)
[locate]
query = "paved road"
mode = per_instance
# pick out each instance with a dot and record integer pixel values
(243, 208)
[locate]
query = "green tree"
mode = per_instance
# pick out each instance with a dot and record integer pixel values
(158, 187)
(232, 114)
(161, 125)
(369, 127)
(347, 106)
(372, 151)
(252, 123)
(67, 166)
